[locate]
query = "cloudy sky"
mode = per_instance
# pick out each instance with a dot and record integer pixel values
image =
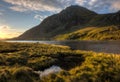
(17, 16)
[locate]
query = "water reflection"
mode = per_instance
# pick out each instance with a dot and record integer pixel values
(97, 46)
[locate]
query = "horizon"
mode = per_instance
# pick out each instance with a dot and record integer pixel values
(17, 16)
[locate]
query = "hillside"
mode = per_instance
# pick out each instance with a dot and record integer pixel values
(93, 33)
(69, 20)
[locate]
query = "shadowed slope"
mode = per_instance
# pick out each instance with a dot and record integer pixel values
(69, 20)
(60, 23)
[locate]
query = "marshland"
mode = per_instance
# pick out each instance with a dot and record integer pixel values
(21, 62)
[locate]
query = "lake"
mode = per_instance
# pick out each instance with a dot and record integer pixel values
(97, 46)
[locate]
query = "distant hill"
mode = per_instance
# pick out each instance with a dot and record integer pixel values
(68, 21)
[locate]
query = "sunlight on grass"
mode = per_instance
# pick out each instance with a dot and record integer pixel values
(20, 61)
(92, 33)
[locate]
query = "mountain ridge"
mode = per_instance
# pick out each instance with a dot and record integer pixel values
(69, 20)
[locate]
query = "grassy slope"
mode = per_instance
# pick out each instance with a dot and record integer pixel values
(93, 33)
(18, 61)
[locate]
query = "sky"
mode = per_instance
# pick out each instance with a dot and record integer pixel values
(17, 16)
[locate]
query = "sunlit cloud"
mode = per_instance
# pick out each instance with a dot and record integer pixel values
(99, 5)
(38, 5)
(7, 32)
(58, 5)
(116, 5)
(19, 8)
(40, 17)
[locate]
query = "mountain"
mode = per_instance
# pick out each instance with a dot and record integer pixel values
(60, 23)
(70, 20)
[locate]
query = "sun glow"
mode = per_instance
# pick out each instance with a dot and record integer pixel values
(6, 35)
(2, 35)
(7, 32)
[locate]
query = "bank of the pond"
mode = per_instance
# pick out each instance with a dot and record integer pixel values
(97, 46)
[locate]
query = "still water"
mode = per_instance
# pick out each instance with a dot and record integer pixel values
(97, 46)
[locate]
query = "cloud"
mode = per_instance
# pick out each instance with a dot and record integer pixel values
(19, 8)
(99, 5)
(1, 13)
(40, 17)
(7, 32)
(116, 5)
(80, 2)
(57, 5)
(38, 5)
(4, 27)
